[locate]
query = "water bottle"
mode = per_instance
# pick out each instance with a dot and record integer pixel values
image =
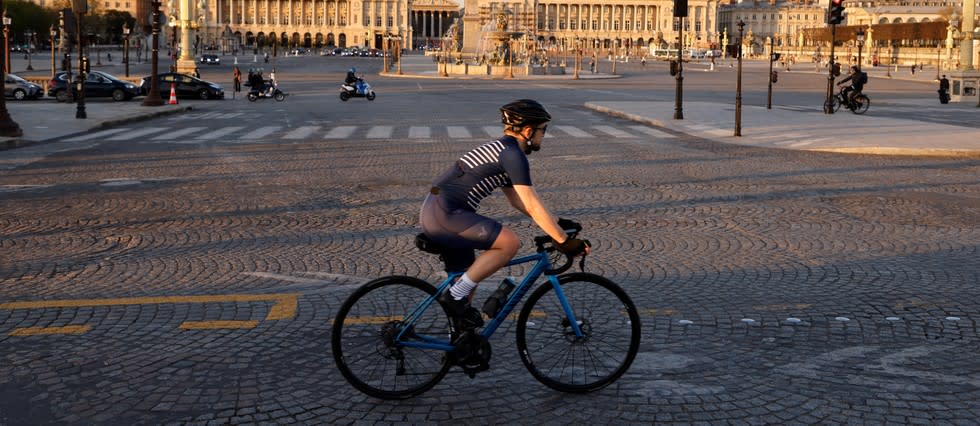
(496, 301)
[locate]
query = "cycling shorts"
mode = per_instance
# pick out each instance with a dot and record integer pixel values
(457, 227)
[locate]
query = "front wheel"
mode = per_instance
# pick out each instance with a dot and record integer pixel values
(365, 340)
(371, 96)
(835, 103)
(280, 96)
(204, 94)
(118, 95)
(20, 94)
(560, 359)
(861, 104)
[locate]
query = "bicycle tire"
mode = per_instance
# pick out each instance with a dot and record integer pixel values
(560, 361)
(861, 104)
(364, 327)
(835, 103)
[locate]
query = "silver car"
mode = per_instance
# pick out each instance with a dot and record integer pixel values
(18, 88)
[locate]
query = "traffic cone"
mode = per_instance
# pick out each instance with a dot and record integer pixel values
(173, 95)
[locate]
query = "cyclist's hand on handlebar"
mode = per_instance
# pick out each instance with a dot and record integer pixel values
(574, 247)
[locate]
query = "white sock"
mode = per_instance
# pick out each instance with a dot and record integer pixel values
(462, 288)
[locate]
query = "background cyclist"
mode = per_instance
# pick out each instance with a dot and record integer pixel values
(449, 213)
(857, 78)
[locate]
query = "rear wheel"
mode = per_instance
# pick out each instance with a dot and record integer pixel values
(861, 104)
(252, 97)
(366, 346)
(344, 96)
(558, 358)
(61, 95)
(280, 96)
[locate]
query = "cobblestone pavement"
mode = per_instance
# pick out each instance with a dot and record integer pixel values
(167, 283)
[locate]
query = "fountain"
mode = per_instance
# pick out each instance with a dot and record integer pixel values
(495, 52)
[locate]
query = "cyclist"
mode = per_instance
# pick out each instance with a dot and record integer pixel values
(857, 78)
(449, 214)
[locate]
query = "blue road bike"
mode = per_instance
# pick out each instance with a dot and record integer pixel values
(577, 332)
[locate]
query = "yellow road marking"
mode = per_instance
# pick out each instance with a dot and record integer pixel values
(206, 325)
(67, 329)
(283, 308)
(667, 312)
(781, 307)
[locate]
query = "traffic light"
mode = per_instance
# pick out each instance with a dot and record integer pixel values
(836, 13)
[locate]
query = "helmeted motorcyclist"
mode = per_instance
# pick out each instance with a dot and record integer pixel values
(351, 79)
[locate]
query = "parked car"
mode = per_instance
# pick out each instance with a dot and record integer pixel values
(210, 59)
(18, 88)
(97, 84)
(185, 86)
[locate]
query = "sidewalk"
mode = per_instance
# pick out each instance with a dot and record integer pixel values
(803, 128)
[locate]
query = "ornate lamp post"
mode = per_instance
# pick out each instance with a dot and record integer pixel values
(860, 43)
(398, 52)
(125, 31)
(53, 32)
(738, 82)
(29, 36)
(153, 98)
(7, 125)
(6, 41)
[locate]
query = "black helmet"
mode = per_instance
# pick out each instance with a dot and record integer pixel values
(522, 112)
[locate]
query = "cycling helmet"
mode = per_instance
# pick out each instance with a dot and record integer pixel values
(352, 69)
(523, 112)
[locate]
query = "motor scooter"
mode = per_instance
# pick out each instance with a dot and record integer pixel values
(266, 92)
(360, 89)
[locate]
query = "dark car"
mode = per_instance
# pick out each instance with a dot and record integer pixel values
(210, 59)
(185, 86)
(19, 89)
(97, 84)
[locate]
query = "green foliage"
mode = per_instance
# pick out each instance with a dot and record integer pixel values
(106, 26)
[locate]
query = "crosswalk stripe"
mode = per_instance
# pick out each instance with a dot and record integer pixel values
(95, 135)
(301, 132)
(136, 133)
(652, 131)
(458, 132)
(380, 132)
(340, 132)
(220, 132)
(178, 133)
(419, 132)
(492, 131)
(612, 131)
(261, 132)
(573, 131)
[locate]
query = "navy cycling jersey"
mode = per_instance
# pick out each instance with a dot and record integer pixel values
(477, 173)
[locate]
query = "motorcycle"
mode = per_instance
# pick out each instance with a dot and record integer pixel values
(256, 94)
(359, 89)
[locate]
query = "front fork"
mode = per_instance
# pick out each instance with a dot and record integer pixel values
(573, 321)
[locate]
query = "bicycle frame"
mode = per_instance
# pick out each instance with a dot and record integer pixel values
(542, 265)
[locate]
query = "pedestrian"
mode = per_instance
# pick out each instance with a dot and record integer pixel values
(643, 61)
(238, 79)
(944, 90)
(109, 55)
(913, 69)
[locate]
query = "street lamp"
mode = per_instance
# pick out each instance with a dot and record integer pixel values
(153, 98)
(6, 40)
(860, 43)
(8, 127)
(29, 35)
(738, 82)
(53, 32)
(125, 31)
